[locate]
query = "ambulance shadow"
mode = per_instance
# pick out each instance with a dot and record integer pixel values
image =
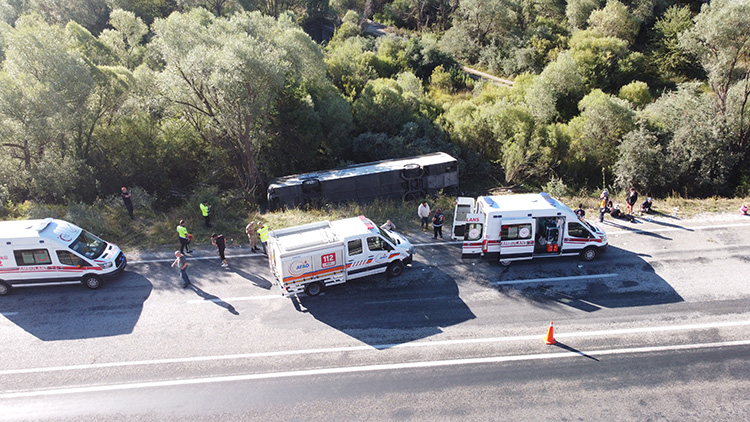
(74, 312)
(626, 280)
(384, 312)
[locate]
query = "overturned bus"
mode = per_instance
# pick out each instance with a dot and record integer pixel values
(402, 178)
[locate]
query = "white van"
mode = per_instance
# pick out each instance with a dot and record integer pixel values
(44, 252)
(309, 257)
(524, 226)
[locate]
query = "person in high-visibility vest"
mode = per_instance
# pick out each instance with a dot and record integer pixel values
(263, 233)
(184, 236)
(205, 210)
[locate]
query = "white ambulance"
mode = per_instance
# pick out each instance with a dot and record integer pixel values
(44, 252)
(309, 257)
(524, 226)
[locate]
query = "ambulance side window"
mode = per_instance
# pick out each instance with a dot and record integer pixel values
(375, 243)
(355, 247)
(577, 230)
(515, 231)
(67, 258)
(32, 257)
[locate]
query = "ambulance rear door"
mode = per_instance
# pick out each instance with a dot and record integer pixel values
(517, 239)
(473, 235)
(464, 206)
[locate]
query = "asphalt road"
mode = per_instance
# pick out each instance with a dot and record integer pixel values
(655, 329)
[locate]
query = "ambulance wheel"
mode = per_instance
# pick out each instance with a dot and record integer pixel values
(313, 289)
(589, 254)
(505, 262)
(4, 288)
(395, 269)
(91, 281)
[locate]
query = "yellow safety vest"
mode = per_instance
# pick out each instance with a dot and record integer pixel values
(263, 232)
(182, 231)
(204, 210)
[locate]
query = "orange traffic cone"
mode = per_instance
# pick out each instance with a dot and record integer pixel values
(550, 338)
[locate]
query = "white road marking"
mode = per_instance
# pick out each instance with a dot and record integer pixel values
(365, 368)
(553, 279)
(418, 344)
(676, 229)
(8, 313)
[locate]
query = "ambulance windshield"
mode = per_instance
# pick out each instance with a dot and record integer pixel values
(88, 245)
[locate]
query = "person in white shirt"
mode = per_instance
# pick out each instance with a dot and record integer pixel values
(424, 215)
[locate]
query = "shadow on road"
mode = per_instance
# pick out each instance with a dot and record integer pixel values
(211, 298)
(386, 312)
(619, 278)
(257, 280)
(74, 312)
(636, 230)
(570, 349)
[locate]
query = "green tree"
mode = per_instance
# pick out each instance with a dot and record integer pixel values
(641, 162)
(699, 143)
(126, 38)
(351, 64)
(603, 62)
(720, 39)
(670, 58)
(384, 106)
(578, 12)
(616, 21)
(227, 75)
(637, 93)
(596, 133)
(555, 93)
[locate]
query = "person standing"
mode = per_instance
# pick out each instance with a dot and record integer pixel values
(437, 223)
(184, 236)
(631, 200)
(263, 234)
(580, 212)
(206, 212)
(125, 193)
(424, 215)
(219, 241)
(252, 234)
(182, 265)
(602, 207)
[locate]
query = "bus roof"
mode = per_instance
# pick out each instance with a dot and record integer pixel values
(365, 168)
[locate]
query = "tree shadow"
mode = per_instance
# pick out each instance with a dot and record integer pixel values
(74, 312)
(617, 279)
(384, 312)
(211, 298)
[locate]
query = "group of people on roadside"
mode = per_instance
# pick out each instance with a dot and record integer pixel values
(257, 233)
(438, 219)
(606, 206)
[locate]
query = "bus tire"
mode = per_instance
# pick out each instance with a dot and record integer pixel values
(589, 253)
(395, 269)
(91, 281)
(4, 288)
(314, 288)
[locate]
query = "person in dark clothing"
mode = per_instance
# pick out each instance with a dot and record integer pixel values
(125, 193)
(580, 212)
(632, 198)
(437, 223)
(646, 205)
(218, 241)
